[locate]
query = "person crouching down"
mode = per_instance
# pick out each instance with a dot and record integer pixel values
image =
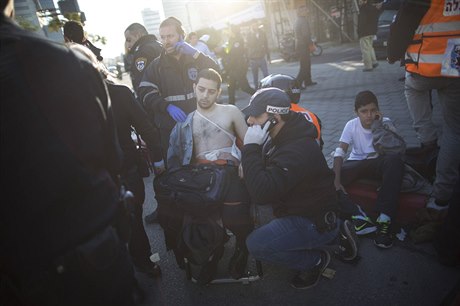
(283, 166)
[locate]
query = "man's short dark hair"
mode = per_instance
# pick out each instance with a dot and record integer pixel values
(210, 74)
(73, 31)
(173, 21)
(137, 28)
(364, 98)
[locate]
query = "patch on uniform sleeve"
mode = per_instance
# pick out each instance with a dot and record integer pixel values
(140, 63)
(192, 73)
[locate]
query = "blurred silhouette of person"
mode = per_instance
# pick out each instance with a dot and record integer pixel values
(257, 49)
(200, 44)
(61, 241)
(73, 32)
(367, 28)
(236, 65)
(303, 41)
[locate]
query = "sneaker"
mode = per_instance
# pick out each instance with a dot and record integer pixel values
(436, 204)
(309, 279)
(375, 65)
(209, 270)
(238, 263)
(367, 69)
(348, 243)
(363, 225)
(152, 218)
(383, 237)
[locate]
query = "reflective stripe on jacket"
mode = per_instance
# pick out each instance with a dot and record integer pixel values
(435, 47)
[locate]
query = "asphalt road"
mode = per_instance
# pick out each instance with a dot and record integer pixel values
(406, 274)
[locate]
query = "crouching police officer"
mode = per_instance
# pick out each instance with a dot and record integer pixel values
(283, 166)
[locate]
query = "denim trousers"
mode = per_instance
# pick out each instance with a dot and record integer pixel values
(291, 241)
(417, 89)
(255, 64)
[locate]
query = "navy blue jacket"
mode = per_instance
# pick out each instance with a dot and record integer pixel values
(290, 172)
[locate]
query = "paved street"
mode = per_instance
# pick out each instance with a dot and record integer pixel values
(406, 274)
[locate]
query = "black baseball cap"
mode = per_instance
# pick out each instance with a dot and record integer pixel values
(271, 100)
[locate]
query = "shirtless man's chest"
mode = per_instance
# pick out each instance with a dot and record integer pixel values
(208, 132)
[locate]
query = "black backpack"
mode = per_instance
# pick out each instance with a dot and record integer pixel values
(196, 189)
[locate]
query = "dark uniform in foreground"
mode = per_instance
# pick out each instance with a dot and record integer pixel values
(129, 113)
(58, 244)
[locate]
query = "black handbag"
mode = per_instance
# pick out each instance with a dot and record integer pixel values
(196, 189)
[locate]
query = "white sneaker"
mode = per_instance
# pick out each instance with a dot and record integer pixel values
(433, 205)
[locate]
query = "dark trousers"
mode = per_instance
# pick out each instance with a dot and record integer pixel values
(238, 80)
(389, 169)
(237, 218)
(139, 245)
(304, 74)
(447, 238)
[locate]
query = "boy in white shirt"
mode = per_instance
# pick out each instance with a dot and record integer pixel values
(365, 162)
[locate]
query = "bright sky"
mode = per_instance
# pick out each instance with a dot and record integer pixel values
(110, 18)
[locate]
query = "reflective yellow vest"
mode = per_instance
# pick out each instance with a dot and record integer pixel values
(435, 48)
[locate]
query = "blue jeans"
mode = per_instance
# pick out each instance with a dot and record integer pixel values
(255, 64)
(417, 89)
(290, 241)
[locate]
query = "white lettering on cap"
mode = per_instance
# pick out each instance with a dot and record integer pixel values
(277, 110)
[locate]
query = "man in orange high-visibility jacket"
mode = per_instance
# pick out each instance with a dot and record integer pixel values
(290, 85)
(427, 34)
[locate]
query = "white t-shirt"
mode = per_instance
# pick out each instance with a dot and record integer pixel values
(359, 139)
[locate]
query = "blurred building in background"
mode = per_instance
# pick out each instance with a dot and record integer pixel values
(330, 20)
(26, 15)
(152, 20)
(51, 34)
(38, 16)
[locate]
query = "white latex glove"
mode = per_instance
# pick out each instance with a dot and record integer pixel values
(256, 134)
